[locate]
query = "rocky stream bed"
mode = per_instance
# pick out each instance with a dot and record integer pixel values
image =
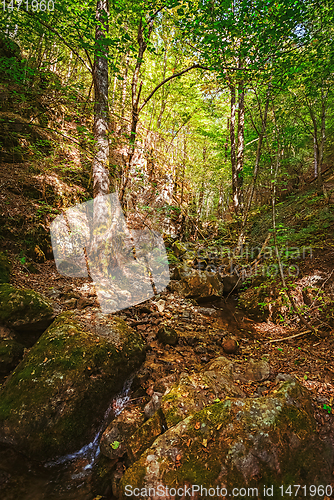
(184, 389)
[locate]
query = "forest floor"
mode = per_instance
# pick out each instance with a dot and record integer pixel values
(201, 328)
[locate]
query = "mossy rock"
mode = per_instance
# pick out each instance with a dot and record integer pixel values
(10, 354)
(263, 302)
(114, 439)
(196, 390)
(145, 436)
(5, 268)
(199, 284)
(26, 311)
(238, 443)
(167, 335)
(55, 399)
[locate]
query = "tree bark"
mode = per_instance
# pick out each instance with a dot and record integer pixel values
(233, 150)
(241, 148)
(125, 82)
(101, 182)
(322, 138)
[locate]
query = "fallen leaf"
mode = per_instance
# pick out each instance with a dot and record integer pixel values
(115, 445)
(219, 426)
(45, 360)
(197, 425)
(205, 442)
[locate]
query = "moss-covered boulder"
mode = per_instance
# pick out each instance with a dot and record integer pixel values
(145, 435)
(237, 443)
(11, 353)
(26, 311)
(5, 268)
(55, 398)
(198, 284)
(195, 391)
(263, 302)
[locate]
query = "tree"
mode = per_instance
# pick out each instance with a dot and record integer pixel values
(239, 40)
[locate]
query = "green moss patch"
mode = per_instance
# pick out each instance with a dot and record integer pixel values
(24, 310)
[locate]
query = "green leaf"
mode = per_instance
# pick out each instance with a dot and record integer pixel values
(115, 445)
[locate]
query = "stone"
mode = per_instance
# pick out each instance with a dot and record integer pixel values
(230, 346)
(26, 311)
(200, 285)
(238, 443)
(145, 436)
(55, 399)
(257, 371)
(167, 335)
(194, 283)
(70, 303)
(153, 405)
(263, 302)
(195, 391)
(113, 442)
(161, 305)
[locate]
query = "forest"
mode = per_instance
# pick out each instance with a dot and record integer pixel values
(166, 249)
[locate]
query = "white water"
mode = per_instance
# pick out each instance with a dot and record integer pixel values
(91, 451)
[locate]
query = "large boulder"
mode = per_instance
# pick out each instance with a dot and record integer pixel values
(235, 443)
(193, 283)
(54, 400)
(263, 302)
(26, 311)
(195, 391)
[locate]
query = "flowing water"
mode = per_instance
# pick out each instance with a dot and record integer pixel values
(64, 478)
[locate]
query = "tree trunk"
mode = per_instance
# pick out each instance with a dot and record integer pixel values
(164, 91)
(125, 81)
(135, 97)
(241, 148)
(322, 138)
(101, 182)
(235, 179)
(316, 156)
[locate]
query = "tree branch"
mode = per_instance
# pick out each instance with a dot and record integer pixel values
(167, 80)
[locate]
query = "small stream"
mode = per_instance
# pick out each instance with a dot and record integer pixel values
(64, 478)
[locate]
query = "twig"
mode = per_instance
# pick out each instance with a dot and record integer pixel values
(291, 336)
(258, 258)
